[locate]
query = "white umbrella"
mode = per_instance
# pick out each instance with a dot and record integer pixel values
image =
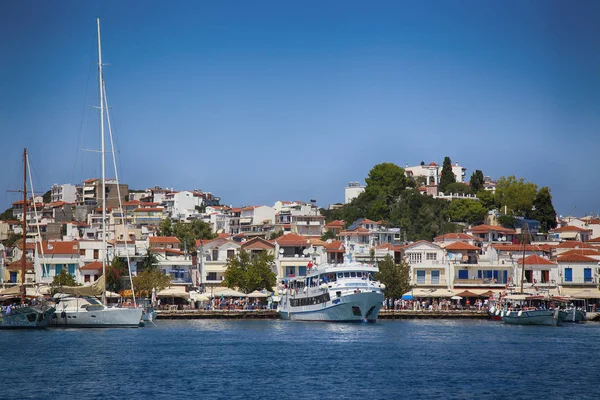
(258, 293)
(456, 298)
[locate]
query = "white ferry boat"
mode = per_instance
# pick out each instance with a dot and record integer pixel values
(333, 292)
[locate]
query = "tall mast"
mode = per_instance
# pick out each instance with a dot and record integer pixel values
(23, 261)
(525, 230)
(101, 84)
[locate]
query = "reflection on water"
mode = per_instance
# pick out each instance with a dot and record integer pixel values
(285, 359)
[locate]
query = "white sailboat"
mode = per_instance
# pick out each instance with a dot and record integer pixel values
(78, 308)
(28, 314)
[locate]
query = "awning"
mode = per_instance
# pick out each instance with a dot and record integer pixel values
(467, 293)
(258, 293)
(228, 293)
(175, 291)
(245, 220)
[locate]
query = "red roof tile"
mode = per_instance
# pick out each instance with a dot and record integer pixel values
(594, 240)
(487, 228)
(257, 243)
(584, 252)
(59, 247)
(163, 239)
(536, 260)
(573, 244)
(335, 246)
(461, 246)
(291, 239)
(93, 266)
(569, 229)
(455, 236)
(574, 257)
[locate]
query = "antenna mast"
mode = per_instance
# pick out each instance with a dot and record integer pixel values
(23, 261)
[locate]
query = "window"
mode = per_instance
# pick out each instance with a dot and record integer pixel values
(215, 254)
(435, 277)
(95, 254)
(57, 269)
(463, 274)
(82, 252)
(587, 275)
(431, 256)
(212, 276)
(414, 258)
(72, 269)
(420, 276)
(86, 278)
(290, 271)
(568, 274)
(230, 254)
(302, 270)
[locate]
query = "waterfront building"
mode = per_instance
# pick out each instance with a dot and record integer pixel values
(213, 256)
(181, 206)
(257, 221)
(63, 193)
(52, 257)
(90, 193)
(428, 269)
(457, 237)
(293, 255)
(335, 226)
(492, 233)
(298, 217)
(572, 233)
(579, 271)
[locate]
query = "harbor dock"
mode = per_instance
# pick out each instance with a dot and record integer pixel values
(424, 314)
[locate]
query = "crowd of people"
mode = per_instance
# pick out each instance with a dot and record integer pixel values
(435, 304)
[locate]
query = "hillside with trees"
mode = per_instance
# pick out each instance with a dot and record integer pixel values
(390, 195)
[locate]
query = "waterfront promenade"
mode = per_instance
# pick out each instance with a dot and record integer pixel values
(272, 314)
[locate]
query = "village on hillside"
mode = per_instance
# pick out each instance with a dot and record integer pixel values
(65, 234)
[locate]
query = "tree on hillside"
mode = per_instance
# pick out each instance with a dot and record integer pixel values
(275, 235)
(386, 181)
(476, 181)
(250, 273)
(165, 227)
(458, 188)
(448, 176)
(487, 199)
(516, 194)
(466, 210)
(543, 210)
(189, 232)
(329, 234)
(6, 215)
(47, 197)
(395, 277)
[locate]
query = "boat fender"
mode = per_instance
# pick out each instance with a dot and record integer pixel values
(492, 309)
(497, 312)
(502, 314)
(382, 286)
(520, 313)
(507, 313)
(63, 314)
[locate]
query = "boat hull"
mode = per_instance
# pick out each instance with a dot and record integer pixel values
(37, 317)
(534, 317)
(356, 307)
(102, 318)
(575, 315)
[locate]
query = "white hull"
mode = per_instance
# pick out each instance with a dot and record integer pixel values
(533, 317)
(338, 309)
(575, 315)
(101, 318)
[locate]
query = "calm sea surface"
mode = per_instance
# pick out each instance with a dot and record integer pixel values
(292, 360)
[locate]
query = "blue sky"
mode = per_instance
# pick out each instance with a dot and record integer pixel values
(269, 100)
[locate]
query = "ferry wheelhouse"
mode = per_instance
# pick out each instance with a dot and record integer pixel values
(333, 292)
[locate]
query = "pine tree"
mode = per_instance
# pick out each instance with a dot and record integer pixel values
(543, 210)
(476, 181)
(447, 175)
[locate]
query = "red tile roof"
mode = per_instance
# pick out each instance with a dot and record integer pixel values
(148, 209)
(292, 239)
(585, 252)
(461, 246)
(569, 229)
(336, 223)
(595, 240)
(573, 244)
(536, 260)
(163, 239)
(335, 246)
(91, 180)
(455, 236)
(488, 228)
(258, 244)
(519, 247)
(368, 221)
(420, 242)
(93, 266)
(16, 266)
(574, 257)
(59, 247)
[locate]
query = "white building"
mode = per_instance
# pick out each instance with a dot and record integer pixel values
(181, 205)
(65, 192)
(433, 172)
(352, 191)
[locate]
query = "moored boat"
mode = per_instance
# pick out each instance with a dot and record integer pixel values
(333, 292)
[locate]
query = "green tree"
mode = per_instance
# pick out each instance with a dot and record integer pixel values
(458, 187)
(150, 279)
(148, 263)
(476, 181)
(329, 234)
(11, 240)
(395, 277)
(6, 215)
(189, 232)
(386, 181)
(487, 199)
(516, 195)
(507, 221)
(275, 235)
(448, 176)
(466, 210)
(165, 227)
(250, 273)
(64, 278)
(543, 210)
(114, 274)
(47, 197)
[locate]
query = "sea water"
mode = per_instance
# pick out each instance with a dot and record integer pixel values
(273, 359)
